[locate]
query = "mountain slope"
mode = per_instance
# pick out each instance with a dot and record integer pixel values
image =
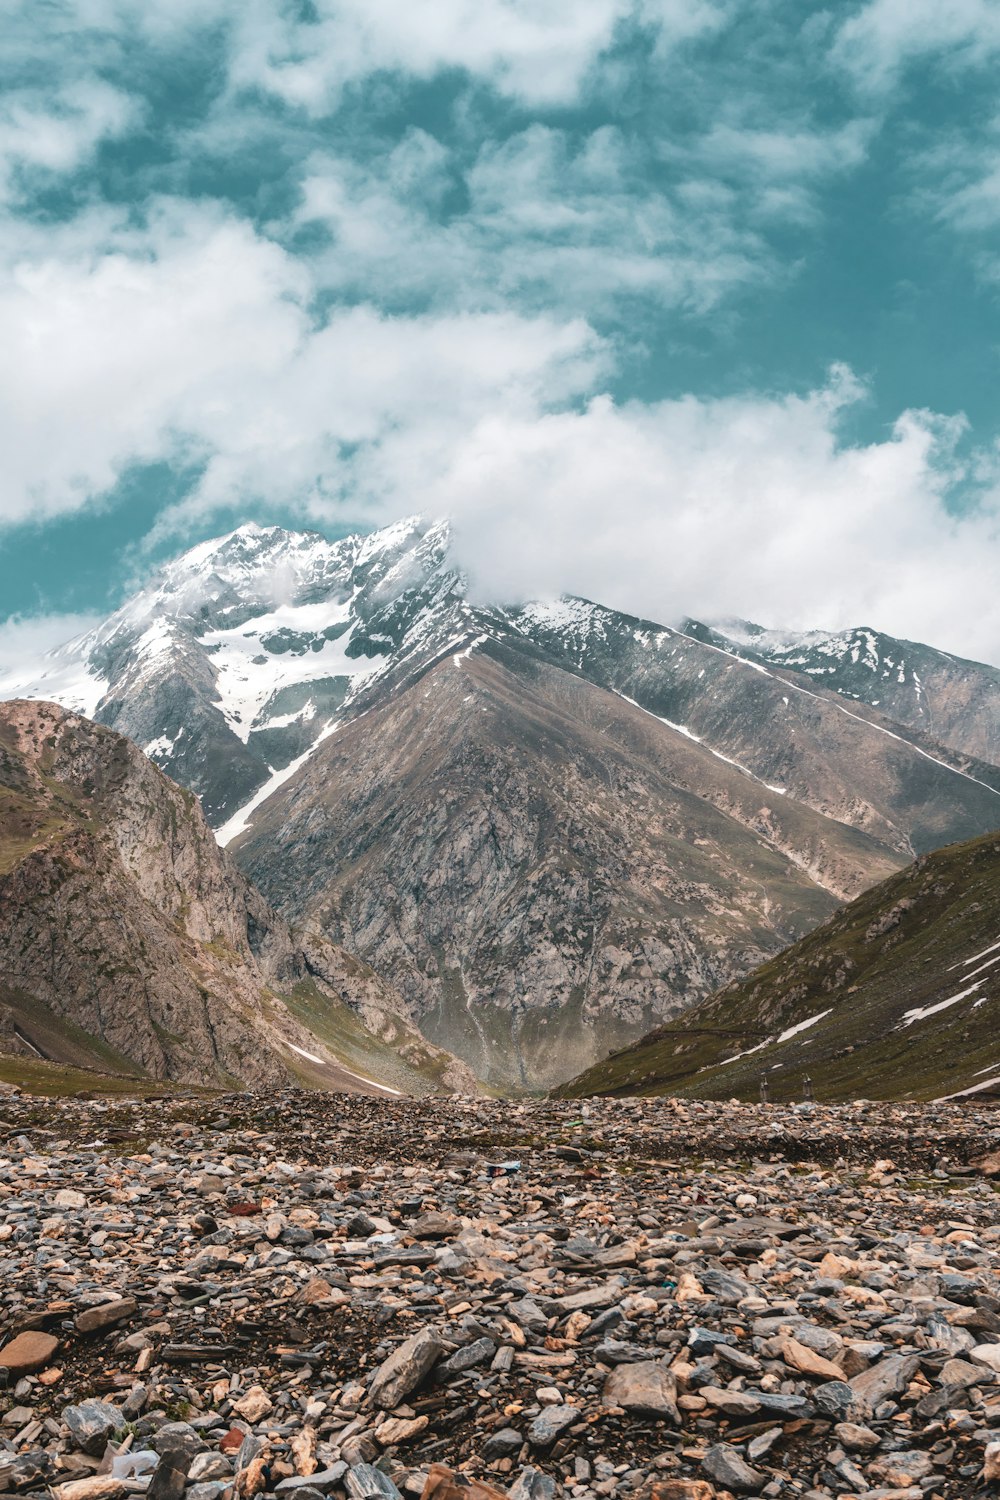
(845, 761)
(948, 699)
(541, 866)
(672, 799)
(130, 941)
(897, 996)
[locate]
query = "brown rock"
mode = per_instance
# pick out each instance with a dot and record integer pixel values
(318, 1292)
(94, 1487)
(92, 1319)
(682, 1489)
(806, 1360)
(443, 1483)
(28, 1352)
(399, 1430)
(254, 1405)
(303, 1450)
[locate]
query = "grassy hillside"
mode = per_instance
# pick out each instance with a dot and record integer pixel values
(897, 996)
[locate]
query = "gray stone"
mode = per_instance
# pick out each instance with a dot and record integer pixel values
(888, 1378)
(726, 1466)
(647, 1386)
(550, 1424)
(405, 1368)
(91, 1424)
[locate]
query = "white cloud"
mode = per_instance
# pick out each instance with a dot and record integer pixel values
(25, 637)
(538, 51)
(548, 220)
(884, 37)
(193, 336)
(750, 506)
(56, 131)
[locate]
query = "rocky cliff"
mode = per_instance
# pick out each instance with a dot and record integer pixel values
(129, 940)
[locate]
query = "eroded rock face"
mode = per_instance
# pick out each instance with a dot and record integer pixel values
(529, 859)
(129, 939)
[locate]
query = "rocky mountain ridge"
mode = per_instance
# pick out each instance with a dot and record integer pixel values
(130, 941)
(896, 997)
(547, 826)
(948, 699)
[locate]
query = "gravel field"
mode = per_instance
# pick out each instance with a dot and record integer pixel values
(311, 1295)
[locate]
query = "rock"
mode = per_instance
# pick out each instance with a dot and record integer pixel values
(363, 1482)
(91, 1424)
(644, 1387)
(799, 1357)
(405, 1368)
(899, 1470)
(835, 1398)
(733, 1403)
(477, 1353)
(105, 1314)
(856, 1438)
(28, 1352)
(96, 1487)
(760, 1446)
(206, 1466)
(886, 1379)
(400, 1430)
(983, 1354)
(254, 1405)
(550, 1424)
(682, 1489)
(69, 1198)
(170, 1476)
(991, 1463)
(728, 1468)
(532, 1484)
(31, 1470)
(444, 1484)
(503, 1444)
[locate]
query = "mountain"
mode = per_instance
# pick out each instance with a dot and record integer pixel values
(229, 665)
(948, 699)
(547, 826)
(896, 997)
(130, 942)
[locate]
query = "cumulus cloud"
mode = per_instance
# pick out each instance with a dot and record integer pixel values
(434, 318)
(192, 337)
(754, 506)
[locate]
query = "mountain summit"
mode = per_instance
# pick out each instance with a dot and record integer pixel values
(549, 826)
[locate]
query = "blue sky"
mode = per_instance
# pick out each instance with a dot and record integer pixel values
(688, 305)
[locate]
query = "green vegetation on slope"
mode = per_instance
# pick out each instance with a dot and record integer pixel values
(912, 943)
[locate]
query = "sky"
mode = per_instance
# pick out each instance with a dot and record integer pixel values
(688, 306)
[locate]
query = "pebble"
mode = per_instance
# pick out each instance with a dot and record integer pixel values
(314, 1296)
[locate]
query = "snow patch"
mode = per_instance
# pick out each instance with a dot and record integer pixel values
(921, 1012)
(240, 821)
